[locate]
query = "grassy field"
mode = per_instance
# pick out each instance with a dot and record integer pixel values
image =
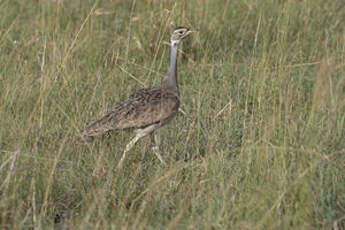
(260, 145)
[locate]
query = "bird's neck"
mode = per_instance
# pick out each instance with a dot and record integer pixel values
(172, 79)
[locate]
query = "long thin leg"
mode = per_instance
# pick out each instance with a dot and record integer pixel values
(155, 149)
(128, 147)
(139, 134)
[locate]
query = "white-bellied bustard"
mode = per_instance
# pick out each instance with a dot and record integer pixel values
(147, 109)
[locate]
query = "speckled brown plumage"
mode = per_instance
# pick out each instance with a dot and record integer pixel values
(145, 107)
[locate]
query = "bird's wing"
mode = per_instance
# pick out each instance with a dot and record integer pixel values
(142, 108)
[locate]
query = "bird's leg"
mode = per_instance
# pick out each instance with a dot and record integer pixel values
(154, 141)
(128, 147)
(140, 133)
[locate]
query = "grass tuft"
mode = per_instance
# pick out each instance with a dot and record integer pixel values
(260, 144)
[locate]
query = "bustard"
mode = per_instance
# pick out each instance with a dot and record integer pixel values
(147, 109)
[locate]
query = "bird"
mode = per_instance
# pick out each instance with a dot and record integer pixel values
(147, 109)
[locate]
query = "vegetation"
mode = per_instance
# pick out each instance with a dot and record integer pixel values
(260, 143)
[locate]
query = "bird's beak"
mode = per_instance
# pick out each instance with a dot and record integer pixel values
(192, 30)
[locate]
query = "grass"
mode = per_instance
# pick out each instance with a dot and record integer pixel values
(260, 146)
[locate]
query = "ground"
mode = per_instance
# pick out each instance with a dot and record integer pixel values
(259, 143)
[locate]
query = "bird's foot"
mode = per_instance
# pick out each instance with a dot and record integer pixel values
(155, 150)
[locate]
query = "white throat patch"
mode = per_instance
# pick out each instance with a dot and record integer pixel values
(175, 42)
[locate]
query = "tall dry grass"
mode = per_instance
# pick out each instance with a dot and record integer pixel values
(260, 144)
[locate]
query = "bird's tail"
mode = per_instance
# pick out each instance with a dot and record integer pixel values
(84, 136)
(93, 130)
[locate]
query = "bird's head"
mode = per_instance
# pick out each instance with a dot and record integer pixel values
(179, 33)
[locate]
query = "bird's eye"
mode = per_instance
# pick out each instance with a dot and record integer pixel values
(180, 32)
